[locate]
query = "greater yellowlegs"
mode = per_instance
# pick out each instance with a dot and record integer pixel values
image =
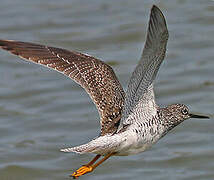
(131, 122)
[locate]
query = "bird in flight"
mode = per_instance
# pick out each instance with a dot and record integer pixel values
(130, 122)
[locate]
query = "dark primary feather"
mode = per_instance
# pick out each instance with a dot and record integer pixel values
(96, 77)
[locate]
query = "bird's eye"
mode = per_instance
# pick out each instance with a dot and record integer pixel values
(184, 111)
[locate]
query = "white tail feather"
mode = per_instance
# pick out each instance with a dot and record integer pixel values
(100, 145)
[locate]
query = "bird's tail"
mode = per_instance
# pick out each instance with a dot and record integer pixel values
(85, 148)
(100, 145)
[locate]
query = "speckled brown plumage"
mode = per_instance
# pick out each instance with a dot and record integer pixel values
(96, 77)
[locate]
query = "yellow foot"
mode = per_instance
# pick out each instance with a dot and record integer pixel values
(81, 171)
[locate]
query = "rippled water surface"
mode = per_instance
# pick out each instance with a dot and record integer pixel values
(42, 111)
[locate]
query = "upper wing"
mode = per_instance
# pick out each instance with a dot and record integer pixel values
(139, 102)
(96, 77)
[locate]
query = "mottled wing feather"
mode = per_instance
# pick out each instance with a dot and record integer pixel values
(96, 77)
(140, 95)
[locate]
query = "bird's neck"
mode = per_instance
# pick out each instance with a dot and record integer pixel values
(168, 119)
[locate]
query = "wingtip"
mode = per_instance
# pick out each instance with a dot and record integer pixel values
(156, 10)
(4, 43)
(157, 15)
(5, 40)
(154, 6)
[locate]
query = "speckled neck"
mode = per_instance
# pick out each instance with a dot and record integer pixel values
(169, 118)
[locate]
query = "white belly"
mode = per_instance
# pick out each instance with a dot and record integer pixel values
(135, 144)
(133, 150)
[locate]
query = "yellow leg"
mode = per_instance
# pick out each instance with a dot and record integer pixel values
(90, 166)
(85, 167)
(93, 160)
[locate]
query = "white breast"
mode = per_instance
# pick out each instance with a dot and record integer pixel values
(137, 142)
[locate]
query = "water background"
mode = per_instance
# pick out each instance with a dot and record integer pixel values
(42, 111)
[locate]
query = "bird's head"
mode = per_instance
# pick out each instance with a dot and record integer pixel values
(176, 113)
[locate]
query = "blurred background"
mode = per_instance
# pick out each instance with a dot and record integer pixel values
(42, 111)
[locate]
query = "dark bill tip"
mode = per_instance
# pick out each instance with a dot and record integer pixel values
(199, 116)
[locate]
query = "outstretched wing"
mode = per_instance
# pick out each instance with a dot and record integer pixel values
(140, 102)
(96, 77)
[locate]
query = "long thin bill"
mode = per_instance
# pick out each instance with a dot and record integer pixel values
(199, 116)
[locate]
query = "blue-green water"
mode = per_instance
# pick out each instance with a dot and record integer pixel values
(42, 111)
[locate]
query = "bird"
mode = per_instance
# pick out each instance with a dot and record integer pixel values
(130, 122)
